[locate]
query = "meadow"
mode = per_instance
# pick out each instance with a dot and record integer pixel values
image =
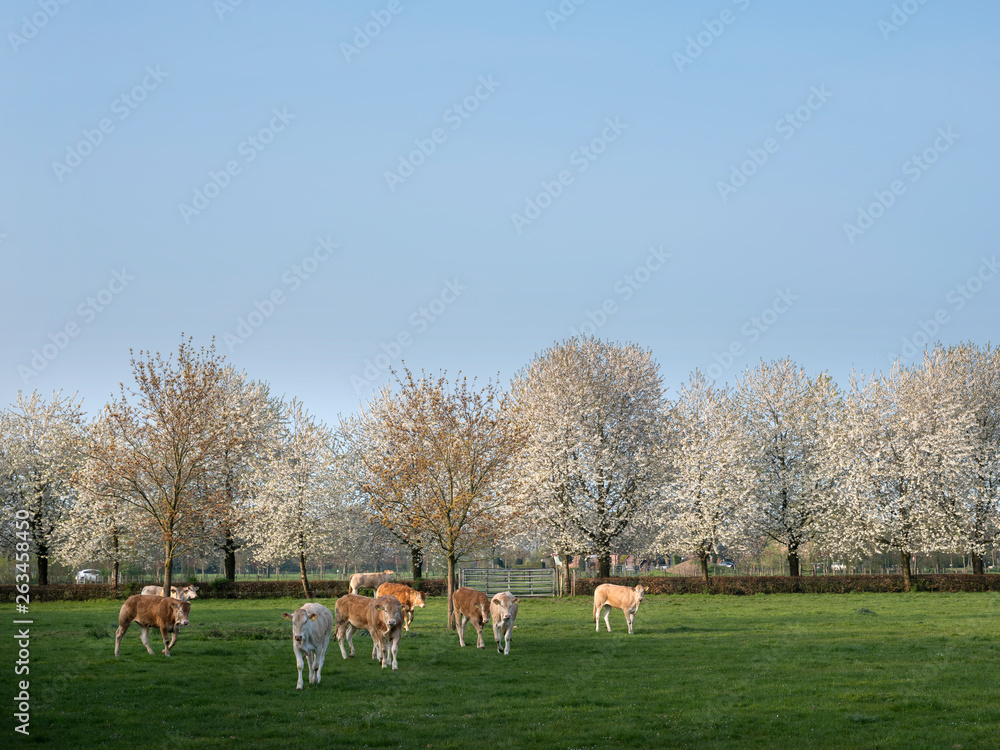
(766, 671)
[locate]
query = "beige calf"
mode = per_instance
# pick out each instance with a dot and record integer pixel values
(617, 597)
(503, 610)
(369, 580)
(185, 594)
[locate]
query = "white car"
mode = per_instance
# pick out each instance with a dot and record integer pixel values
(88, 576)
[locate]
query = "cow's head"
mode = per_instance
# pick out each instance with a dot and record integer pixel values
(299, 619)
(391, 615)
(182, 611)
(486, 612)
(505, 604)
(639, 591)
(390, 573)
(190, 592)
(418, 600)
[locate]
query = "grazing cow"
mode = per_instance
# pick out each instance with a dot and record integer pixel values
(408, 598)
(503, 610)
(312, 625)
(185, 594)
(390, 630)
(619, 597)
(369, 580)
(353, 612)
(471, 606)
(164, 612)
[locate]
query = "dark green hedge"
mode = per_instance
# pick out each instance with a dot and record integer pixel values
(745, 585)
(734, 585)
(215, 590)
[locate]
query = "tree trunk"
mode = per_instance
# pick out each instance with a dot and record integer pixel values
(229, 548)
(168, 568)
(451, 590)
(43, 565)
(114, 569)
(793, 564)
(417, 562)
(302, 573)
(904, 561)
(703, 557)
(977, 564)
(604, 565)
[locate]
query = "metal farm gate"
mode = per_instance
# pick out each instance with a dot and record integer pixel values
(532, 582)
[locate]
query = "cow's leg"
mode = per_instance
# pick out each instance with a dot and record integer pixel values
(498, 634)
(311, 664)
(461, 630)
(166, 646)
(340, 640)
(606, 609)
(144, 637)
(119, 634)
(480, 643)
(298, 664)
(320, 658)
(407, 618)
(395, 650)
(597, 616)
(350, 637)
(173, 635)
(629, 619)
(507, 637)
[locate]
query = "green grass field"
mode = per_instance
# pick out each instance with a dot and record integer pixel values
(790, 671)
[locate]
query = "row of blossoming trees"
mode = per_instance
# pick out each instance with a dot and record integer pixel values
(584, 453)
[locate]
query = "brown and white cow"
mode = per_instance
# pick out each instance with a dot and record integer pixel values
(503, 610)
(470, 606)
(619, 597)
(369, 580)
(312, 625)
(408, 598)
(390, 630)
(353, 612)
(163, 612)
(185, 594)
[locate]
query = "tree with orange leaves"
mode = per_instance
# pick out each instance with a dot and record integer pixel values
(432, 460)
(163, 444)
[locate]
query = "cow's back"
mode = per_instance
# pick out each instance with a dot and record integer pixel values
(468, 602)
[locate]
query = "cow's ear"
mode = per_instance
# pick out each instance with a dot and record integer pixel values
(516, 599)
(194, 588)
(312, 616)
(286, 616)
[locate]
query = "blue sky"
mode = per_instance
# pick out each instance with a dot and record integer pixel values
(719, 182)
